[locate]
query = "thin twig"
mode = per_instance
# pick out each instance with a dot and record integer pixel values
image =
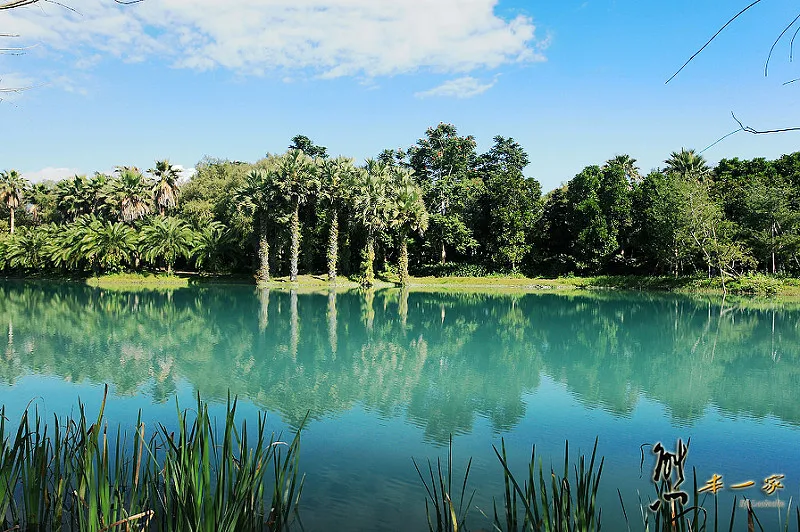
(766, 63)
(740, 13)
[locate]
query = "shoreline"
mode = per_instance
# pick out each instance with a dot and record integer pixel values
(751, 287)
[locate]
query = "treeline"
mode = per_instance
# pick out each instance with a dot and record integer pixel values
(438, 208)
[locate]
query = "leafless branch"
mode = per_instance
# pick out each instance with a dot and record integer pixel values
(13, 4)
(769, 55)
(757, 132)
(737, 15)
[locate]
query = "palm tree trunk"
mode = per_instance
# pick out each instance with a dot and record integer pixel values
(333, 245)
(294, 331)
(263, 311)
(295, 241)
(403, 262)
(369, 273)
(263, 254)
(12, 219)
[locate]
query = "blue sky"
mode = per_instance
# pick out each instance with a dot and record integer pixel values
(575, 82)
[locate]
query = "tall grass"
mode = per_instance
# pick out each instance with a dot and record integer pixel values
(74, 475)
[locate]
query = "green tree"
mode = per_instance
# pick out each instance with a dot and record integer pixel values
(305, 145)
(27, 249)
(167, 239)
(370, 203)
(208, 243)
(255, 202)
(73, 197)
(133, 194)
(443, 163)
(407, 212)
(334, 177)
(12, 185)
(687, 163)
(108, 246)
(295, 178)
(165, 188)
(510, 204)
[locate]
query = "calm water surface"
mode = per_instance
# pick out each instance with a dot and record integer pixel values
(388, 376)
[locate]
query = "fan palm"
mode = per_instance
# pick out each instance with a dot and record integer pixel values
(628, 165)
(39, 197)
(370, 193)
(165, 189)
(11, 186)
(255, 202)
(73, 197)
(168, 239)
(687, 163)
(406, 213)
(207, 244)
(27, 249)
(64, 246)
(108, 245)
(132, 191)
(295, 178)
(334, 174)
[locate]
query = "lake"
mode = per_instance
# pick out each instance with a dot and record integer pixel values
(386, 376)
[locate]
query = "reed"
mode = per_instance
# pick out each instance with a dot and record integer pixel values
(80, 475)
(564, 507)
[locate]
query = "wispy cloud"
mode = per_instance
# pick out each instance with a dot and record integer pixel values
(464, 87)
(329, 38)
(13, 85)
(50, 174)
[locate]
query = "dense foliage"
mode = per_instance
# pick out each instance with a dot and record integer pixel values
(438, 203)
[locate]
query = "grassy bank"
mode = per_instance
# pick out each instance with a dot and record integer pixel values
(750, 285)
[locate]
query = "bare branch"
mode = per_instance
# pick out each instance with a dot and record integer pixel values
(757, 132)
(737, 15)
(766, 64)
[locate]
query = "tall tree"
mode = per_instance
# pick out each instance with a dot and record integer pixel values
(167, 239)
(133, 193)
(12, 185)
(255, 202)
(370, 202)
(443, 163)
(165, 188)
(108, 246)
(407, 212)
(295, 178)
(687, 163)
(628, 166)
(510, 204)
(334, 177)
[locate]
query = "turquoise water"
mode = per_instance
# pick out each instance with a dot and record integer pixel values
(388, 376)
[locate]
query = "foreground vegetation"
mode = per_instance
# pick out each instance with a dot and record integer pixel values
(79, 476)
(438, 208)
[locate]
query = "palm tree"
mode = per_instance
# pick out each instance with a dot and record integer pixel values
(165, 189)
(370, 193)
(407, 212)
(27, 249)
(11, 186)
(255, 206)
(39, 197)
(207, 245)
(64, 246)
(334, 174)
(687, 163)
(295, 178)
(73, 197)
(132, 191)
(167, 238)
(108, 245)
(628, 165)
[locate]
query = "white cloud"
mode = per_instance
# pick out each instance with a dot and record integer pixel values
(464, 87)
(331, 38)
(13, 85)
(50, 174)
